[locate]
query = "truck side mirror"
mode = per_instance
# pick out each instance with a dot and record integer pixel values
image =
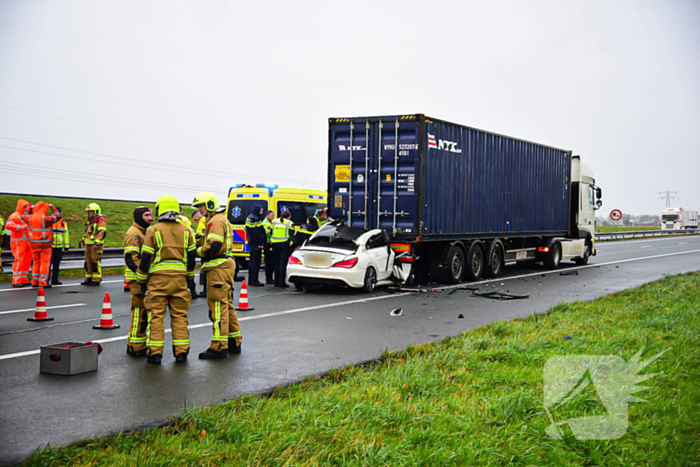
(598, 204)
(598, 193)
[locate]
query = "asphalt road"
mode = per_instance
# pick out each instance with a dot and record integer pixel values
(289, 335)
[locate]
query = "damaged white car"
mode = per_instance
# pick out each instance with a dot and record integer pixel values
(347, 256)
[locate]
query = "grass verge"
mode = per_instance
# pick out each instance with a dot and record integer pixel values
(474, 399)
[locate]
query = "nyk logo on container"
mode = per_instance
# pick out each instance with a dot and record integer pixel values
(442, 144)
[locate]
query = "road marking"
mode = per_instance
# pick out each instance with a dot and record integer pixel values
(683, 243)
(381, 297)
(48, 308)
(645, 246)
(52, 287)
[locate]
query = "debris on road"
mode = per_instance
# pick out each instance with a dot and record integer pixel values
(466, 287)
(396, 312)
(569, 273)
(461, 316)
(500, 296)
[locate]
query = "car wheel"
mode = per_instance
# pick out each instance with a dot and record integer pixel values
(475, 261)
(299, 287)
(495, 260)
(370, 280)
(554, 257)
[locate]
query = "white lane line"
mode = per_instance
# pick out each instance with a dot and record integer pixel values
(48, 308)
(53, 286)
(683, 243)
(645, 246)
(382, 297)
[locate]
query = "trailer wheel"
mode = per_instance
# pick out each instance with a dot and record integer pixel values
(554, 257)
(586, 254)
(495, 260)
(370, 280)
(475, 261)
(455, 264)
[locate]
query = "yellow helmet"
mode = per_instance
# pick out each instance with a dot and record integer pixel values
(94, 207)
(206, 198)
(167, 203)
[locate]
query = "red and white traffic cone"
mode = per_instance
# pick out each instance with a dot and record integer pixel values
(40, 313)
(243, 299)
(126, 285)
(106, 318)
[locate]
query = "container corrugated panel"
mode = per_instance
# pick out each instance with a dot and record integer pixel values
(447, 180)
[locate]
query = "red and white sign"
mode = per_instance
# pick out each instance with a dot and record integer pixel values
(616, 214)
(431, 141)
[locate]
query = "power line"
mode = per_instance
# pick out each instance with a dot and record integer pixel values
(285, 158)
(140, 133)
(160, 166)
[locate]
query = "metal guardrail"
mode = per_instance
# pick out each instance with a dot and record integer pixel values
(643, 233)
(74, 254)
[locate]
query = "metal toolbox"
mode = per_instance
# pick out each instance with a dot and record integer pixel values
(69, 358)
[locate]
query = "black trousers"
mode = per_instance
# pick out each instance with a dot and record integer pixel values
(56, 257)
(280, 254)
(254, 267)
(269, 264)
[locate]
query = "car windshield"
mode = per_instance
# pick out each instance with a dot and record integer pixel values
(670, 217)
(341, 236)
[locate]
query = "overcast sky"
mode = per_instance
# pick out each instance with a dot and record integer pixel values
(134, 99)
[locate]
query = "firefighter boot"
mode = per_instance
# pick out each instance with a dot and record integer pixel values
(211, 354)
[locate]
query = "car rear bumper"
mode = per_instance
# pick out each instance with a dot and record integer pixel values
(331, 276)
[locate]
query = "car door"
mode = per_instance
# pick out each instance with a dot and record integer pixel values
(381, 255)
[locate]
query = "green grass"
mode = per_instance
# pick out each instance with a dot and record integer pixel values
(475, 399)
(621, 228)
(119, 215)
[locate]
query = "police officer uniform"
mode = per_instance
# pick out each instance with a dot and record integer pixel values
(281, 240)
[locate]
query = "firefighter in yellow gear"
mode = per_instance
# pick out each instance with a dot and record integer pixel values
(220, 270)
(94, 239)
(133, 242)
(166, 267)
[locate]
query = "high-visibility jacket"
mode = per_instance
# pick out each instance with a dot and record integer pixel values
(133, 242)
(168, 243)
(320, 222)
(267, 224)
(41, 225)
(218, 229)
(61, 239)
(184, 220)
(95, 231)
(16, 225)
(255, 231)
(280, 230)
(3, 231)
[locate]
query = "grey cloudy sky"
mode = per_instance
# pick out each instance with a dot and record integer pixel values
(133, 99)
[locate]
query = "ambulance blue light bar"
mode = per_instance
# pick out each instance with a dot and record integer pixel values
(271, 186)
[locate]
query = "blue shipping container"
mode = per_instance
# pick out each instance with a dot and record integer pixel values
(417, 176)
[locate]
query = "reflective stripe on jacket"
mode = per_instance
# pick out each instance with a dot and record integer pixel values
(61, 239)
(280, 230)
(96, 231)
(41, 225)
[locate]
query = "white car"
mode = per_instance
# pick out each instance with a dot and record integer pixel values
(346, 256)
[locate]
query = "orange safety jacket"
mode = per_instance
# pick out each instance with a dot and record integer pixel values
(41, 226)
(16, 225)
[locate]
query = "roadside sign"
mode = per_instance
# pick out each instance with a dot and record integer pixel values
(616, 214)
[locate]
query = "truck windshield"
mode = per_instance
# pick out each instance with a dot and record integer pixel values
(670, 217)
(238, 209)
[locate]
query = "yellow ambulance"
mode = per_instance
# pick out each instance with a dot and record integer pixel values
(302, 203)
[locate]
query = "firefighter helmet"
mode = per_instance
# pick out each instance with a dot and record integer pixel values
(167, 203)
(94, 207)
(206, 198)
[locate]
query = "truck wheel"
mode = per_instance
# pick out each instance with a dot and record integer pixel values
(495, 260)
(475, 261)
(455, 265)
(370, 280)
(554, 257)
(586, 254)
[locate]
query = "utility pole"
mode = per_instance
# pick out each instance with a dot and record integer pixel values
(667, 196)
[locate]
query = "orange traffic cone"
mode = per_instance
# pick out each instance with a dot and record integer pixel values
(126, 285)
(106, 318)
(40, 314)
(243, 299)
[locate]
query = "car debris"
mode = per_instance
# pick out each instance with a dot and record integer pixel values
(396, 312)
(500, 296)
